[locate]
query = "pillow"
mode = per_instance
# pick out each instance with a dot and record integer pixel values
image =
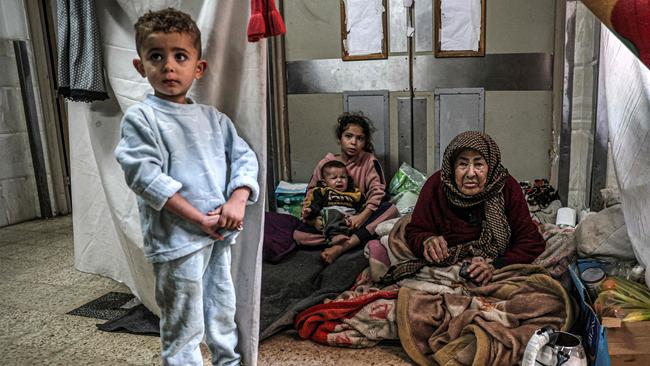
(278, 236)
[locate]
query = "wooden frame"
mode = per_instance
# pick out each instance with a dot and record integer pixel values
(457, 53)
(344, 35)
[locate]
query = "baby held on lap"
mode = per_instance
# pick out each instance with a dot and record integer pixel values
(330, 205)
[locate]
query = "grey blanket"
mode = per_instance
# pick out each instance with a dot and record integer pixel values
(300, 281)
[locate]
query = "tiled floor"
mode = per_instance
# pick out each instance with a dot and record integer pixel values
(39, 285)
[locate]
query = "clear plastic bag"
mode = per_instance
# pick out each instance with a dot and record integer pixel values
(406, 179)
(623, 299)
(405, 201)
(629, 270)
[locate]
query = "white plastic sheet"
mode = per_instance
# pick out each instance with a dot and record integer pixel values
(627, 91)
(364, 26)
(460, 28)
(107, 235)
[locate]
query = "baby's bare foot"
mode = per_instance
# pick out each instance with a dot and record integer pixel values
(330, 254)
(339, 239)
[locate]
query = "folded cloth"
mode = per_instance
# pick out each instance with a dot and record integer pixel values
(138, 320)
(385, 227)
(265, 21)
(560, 250)
(357, 318)
(79, 46)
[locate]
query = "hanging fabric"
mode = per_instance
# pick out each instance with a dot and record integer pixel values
(79, 43)
(630, 19)
(626, 89)
(265, 21)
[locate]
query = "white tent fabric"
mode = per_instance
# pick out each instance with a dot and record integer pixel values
(107, 235)
(627, 92)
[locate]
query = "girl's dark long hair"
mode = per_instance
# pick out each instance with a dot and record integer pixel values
(356, 118)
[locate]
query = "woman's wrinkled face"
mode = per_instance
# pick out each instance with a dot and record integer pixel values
(470, 172)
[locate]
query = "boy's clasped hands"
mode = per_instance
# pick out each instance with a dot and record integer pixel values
(229, 216)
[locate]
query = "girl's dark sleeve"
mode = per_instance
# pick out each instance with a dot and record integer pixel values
(526, 243)
(422, 224)
(375, 184)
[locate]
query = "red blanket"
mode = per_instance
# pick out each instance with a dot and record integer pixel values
(630, 19)
(325, 320)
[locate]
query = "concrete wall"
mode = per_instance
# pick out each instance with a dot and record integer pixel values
(312, 119)
(520, 121)
(313, 29)
(18, 197)
(519, 26)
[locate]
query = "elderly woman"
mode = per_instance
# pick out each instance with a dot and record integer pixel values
(473, 210)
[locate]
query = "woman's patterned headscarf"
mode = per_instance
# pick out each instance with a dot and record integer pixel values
(495, 236)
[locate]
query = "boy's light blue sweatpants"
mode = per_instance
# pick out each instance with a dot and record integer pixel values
(196, 295)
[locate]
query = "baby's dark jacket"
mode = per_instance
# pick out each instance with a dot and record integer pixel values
(322, 196)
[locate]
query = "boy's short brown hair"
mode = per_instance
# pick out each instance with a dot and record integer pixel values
(167, 21)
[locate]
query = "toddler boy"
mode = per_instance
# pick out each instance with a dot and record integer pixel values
(332, 201)
(175, 155)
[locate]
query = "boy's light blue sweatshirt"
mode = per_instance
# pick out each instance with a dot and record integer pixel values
(169, 147)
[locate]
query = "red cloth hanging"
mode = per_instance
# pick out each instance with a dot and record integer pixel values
(265, 20)
(631, 19)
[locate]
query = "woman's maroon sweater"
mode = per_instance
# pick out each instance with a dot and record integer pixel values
(434, 216)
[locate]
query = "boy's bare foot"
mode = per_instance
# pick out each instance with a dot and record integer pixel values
(330, 254)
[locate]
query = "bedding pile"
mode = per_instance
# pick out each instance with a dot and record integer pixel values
(437, 315)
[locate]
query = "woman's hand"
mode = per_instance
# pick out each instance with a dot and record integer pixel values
(480, 270)
(435, 249)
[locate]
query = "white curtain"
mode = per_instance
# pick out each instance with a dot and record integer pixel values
(627, 91)
(107, 235)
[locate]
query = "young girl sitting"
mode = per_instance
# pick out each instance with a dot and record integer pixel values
(353, 132)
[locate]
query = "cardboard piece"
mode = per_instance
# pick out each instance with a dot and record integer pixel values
(608, 322)
(629, 344)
